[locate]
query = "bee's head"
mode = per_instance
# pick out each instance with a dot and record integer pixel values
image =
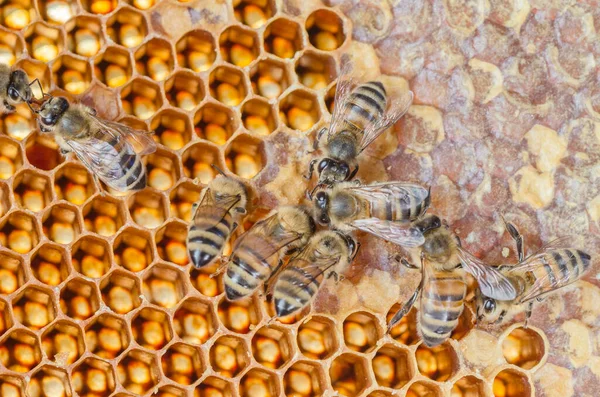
(51, 112)
(332, 171)
(18, 87)
(488, 309)
(321, 200)
(350, 244)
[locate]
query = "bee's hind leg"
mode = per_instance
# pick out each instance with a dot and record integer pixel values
(528, 312)
(409, 303)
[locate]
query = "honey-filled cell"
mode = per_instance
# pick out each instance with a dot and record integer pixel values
(304, 378)
(121, 291)
(272, 347)
(32, 190)
(84, 36)
(142, 4)
(245, 156)
(512, 383)
(19, 232)
(151, 328)
(106, 336)
(148, 208)
(182, 363)
(348, 374)
(34, 307)
(138, 371)
(50, 264)
(12, 386)
(99, 7)
(228, 85)
(141, 98)
(11, 47)
(163, 168)
(44, 43)
(113, 67)
(470, 386)
(254, 13)
(133, 250)
(317, 338)
(439, 363)
(258, 382)
(229, 356)
(299, 110)
(71, 74)
(239, 316)
(127, 27)
(205, 283)
(155, 59)
(215, 123)
(12, 272)
(57, 12)
(20, 351)
(164, 286)
(17, 14)
(198, 160)
(171, 243)
(259, 117)
(79, 299)
(63, 342)
(325, 30)
(93, 377)
(11, 157)
(195, 321)
(42, 152)
(169, 391)
(73, 183)
(361, 331)
(19, 124)
(214, 387)
(392, 366)
(283, 38)
(424, 389)
(196, 51)
(181, 199)
(49, 381)
(61, 223)
(35, 70)
(239, 46)
(172, 129)
(524, 347)
(405, 331)
(269, 78)
(184, 90)
(104, 215)
(91, 256)
(315, 71)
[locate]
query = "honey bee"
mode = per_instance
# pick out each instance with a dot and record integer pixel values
(106, 148)
(257, 253)
(549, 269)
(382, 209)
(359, 116)
(327, 254)
(14, 88)
(443, 286)
(214, 218)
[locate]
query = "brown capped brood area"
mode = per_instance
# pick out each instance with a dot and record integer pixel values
(97, 297)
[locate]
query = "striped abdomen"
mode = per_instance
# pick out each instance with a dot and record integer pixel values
(207, 235)
(560, 267)
(295, 287)
(405, 208)
(365, 104)
(442, 302)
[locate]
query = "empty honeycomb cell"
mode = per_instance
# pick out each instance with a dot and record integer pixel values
(524, 347)
(50, 264)
(325, 30)
(182, 363)
(269, 78)
(172, 128)
(20, 351)
(272, 347)
(93, 378)
(164, 286)
(19, 124)
(127, 27)
(73, 183)
(512, 383)
(254, 13)
(61, 223)
(79, 299)
(121, 292)
(104, 215)
(155, 59)
(349, 374)
(196, 51)
(228, 85)
(469, 386)
(12, 272)
(392, 366)
(163, 168)
(91, 256)
(57, 12)
(424, 389)
(439, 363)
(42, 152)
(171, 242)
(11, 386)
(207, 285)
(195, 321)
(11, 157)
(258, 117)
(35, 70)
(239, 46)
(283, 38)
(72, 74)
(198, 160)
(304, 378)
(239, 316)
(17, 14)
(100, 7)
(315, 71)
(84, 36)
(49, 381)
(215, 123)
(184, 90)
(34, 307)
(317, 338)
(405, 331)
(245, 156)
(258, 382)
(106, 336)
(44, 43)
(141, 98)
(11, 47)
(299, 110)
(148, 208)
(229, 356)
(361, 331)
(138, 371)
(63, 342)
(214, 387)
(32, 190)
(151, 328)
(20, 232)
(182, 197)
(132, 249)
(113, 67)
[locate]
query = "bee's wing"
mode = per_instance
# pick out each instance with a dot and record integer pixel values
(395, 110)
(491, 282)
(311, 271)
(141, 141)
(393, 232)
(560, 242)
(265, 229)
(344, 85)
(217, 209)
(404, 192)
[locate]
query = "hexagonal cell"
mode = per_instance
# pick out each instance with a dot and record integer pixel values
(18, 125)
(254, 13)
(20, 351)
(258, 117)
(44, 43)
(5, 199)
(196, 50)
(304, 378)
(155, 59)
(150, 328)
(228, 85)
(229, 356)
(172, 129)
(245, 156)
(325, 30)
(317, 338)
(50, 264)
(91, 257)
(269, 78)
(84, 36)
(79, 299)
(197, 161)
(361, 331)
(34, 307)
(113, 67)
(439, 363)
(512, 383)
(57, 12)
(349, 374)
(106, 336)
(171, 242)
(215, 387)
(63, 342)
(142, 4)
(195, 321)
(32, 190)
(138, 371)
(469, 386)
(100, 7)
(182, 198)
(239, 46)
(127, 27)
(104, 215)
(35, 70)
(283, 38)
(239, 316)
(424, 389)
(299, 110)
(258, 382)
(61, 223)
(121, 292)
(6, 320)
(148, 208)
(182, 363)
(205, 284)
(164, 286)
(524, 347)
(11, 157)
(93, 378)
(315, 71)
(12, 272)
(379, 393)
(71, 74)
(19, 232)
(73, 183)
(133, 249)
(17, 14)
(49, 381)
(215, 123)
(272, 347)
(11, 47)
(184, 90)
(405, 331)
(141, 98)
(163, 169)
(392, 366)
(42, 152)
(169, 391)
(12, 386)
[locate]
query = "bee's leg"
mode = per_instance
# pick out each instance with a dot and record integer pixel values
(528, 312)
(311, 169)
(358, 245)
(320, 134)
(337, 277)
(221, 268)
(514, 233)
(353, 174)
(408, 264)
(409, 304)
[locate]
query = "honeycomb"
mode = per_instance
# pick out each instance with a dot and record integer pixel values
(97, 297)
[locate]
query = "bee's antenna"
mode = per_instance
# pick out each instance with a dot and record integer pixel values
(218, 169)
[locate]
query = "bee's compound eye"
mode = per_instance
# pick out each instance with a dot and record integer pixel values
(323, 164)
(13, 93)
(344, 170)
(489, 306)
(324, 219)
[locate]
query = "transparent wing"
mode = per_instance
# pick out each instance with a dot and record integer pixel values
(560, 242)
(215, 209)
(491, 282)
(343, 88)
(140, 141)
(391, 231)
(405, 192)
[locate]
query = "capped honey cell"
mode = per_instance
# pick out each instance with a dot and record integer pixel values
(79, 299)
(361, 331)
(228, 85)
(524, 347)
(228, 356)
(299, 110)
(164, 286)
(121, 291)
(84, 36)
(44, 43)
(42, 152)
(133, 249)
(71, 74)
(184, 90)
(163, 167)
(20, 351)
(214, 387)
(151, 328)
(73, 183)
(392, 366)
(171, 243)
(57, 12)
(194, 321)
(148, 208)
(283, 38)
(182, 197)
(304, 378)
(12, 272)
(269, 78)
(91, 256)
(93, 377)
(106, 336)
(141, 98)
(245, 156)
(32, 190)
(104, 215)
(19, 232)
(272, 347)
(512, 383)
(348, 373)
(196, 50)
(138, 371)
(50, 264)
(240, 316)
(325, 30)
(182, 363)
(11, 157)
(49, 381)
(259, 382)
(238, 46)
(34, 307)
(155, 59)
(113, 67)
(439, 363)
(63, 342)
(317, 338)
(61, 223)
(127, 27)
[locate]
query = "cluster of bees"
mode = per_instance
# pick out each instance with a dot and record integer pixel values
(284, 251)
